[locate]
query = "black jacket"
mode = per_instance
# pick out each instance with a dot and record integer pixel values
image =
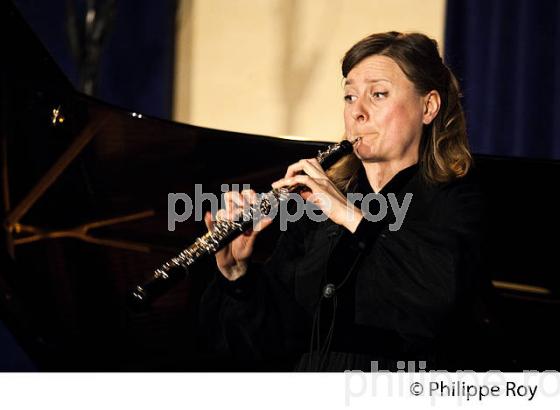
(398, 295)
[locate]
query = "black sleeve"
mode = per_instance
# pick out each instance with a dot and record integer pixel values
(255, 318)
(416, 279)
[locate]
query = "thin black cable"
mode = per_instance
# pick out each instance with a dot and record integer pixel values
(323, 355)
(315, 332)
(324, 351)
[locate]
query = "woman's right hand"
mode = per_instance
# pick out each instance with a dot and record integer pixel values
(232, 260)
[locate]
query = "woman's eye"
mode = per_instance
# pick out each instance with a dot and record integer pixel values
(379, 94)
(349, 98)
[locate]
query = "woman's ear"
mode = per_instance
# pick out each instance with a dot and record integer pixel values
(432, 103)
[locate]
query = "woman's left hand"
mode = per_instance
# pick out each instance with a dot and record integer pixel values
(322, 192)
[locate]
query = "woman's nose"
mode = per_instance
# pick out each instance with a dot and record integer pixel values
(359, 114)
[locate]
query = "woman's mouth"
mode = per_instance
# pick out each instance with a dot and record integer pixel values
(355, 140)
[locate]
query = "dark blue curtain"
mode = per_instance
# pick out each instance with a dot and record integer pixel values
(136, 67)
(506, 54)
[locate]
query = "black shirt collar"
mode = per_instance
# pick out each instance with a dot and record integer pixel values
(396, 184)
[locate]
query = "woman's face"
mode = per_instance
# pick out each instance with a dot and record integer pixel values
(383, 107)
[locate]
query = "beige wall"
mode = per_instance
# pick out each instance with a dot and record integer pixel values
(272, 67)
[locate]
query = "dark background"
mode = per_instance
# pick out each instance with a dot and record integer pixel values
(506, 54)
(136, 66)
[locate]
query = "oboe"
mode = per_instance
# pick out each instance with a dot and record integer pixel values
(225, 231)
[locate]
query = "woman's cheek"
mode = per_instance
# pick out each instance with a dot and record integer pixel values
(400, 123)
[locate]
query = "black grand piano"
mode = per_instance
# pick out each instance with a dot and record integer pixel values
(84, 207)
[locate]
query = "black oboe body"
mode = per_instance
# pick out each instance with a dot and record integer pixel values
(222, 233)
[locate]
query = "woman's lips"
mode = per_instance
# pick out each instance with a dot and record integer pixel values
(355, 140)
(357, 137)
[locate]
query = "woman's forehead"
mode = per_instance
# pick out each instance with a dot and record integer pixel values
(374, 69)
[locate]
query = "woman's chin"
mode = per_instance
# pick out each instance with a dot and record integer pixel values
(367, 154)
(370, 158)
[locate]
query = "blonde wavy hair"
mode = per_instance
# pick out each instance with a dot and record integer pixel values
(444, 149)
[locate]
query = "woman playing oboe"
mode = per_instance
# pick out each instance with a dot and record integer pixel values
(356, 291)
